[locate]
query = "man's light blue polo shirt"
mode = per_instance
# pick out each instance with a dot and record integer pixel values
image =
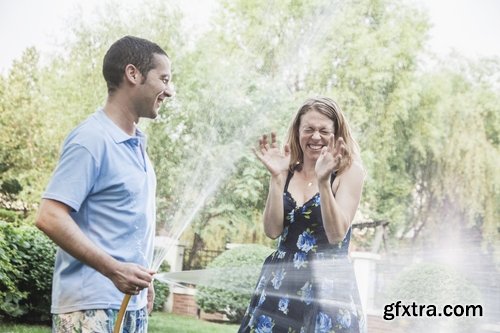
(107, 179)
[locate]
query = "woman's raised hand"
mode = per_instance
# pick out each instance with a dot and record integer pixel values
(330, 158)
(275, 160)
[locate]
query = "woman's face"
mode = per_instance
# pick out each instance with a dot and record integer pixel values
(315, 130)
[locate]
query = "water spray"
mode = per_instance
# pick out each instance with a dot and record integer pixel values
(232, 153)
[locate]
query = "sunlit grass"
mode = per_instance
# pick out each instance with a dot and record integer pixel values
(167, 322)
(158, 322)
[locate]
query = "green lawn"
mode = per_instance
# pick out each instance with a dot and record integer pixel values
(16, 328)
(159, 322)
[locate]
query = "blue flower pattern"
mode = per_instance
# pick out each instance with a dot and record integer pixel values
(287, 289)
(306, 241)
(261, 285)
(344, 318)
(262, 298)
(316, 200)
(264, 324)
(299, 259)
(306, 293)
(283, 304)
(278, 278)
(280, 254)
(323, 323)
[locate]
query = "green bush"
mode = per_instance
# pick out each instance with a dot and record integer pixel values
(9, 216)
(161, 289)
(230, 280)
(10, 295)
(26, 266)
(438, 285)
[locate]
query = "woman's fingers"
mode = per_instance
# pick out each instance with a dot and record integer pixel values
(339, 147)
(331, 143)
(264, 144)
(258, 153)
(287, 149)
(273, 140)
(338, 159)
(267, 151)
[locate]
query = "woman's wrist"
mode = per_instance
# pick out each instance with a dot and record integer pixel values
(323, 183)
(276, 179)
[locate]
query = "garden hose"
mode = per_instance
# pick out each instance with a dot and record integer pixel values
(121, 313)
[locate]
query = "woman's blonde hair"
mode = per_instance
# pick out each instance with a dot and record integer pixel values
(329, 108)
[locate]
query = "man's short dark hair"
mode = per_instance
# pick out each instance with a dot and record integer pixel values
(128, 50)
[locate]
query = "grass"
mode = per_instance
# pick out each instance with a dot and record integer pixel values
(18, 328)
(159, 322)
(167, 322)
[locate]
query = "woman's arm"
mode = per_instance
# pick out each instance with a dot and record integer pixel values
(276, 162)
(338, 211)
(273, 212)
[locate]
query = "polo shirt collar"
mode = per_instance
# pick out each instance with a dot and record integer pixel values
(118, 135)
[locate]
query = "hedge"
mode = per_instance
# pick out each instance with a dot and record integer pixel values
(437, 285)
(26, 266)
(230, 280)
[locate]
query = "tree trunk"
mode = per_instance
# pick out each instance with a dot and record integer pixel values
(193, 259)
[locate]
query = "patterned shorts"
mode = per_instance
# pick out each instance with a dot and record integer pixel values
(99, 321)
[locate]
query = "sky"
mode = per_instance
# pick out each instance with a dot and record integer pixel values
(470, 27)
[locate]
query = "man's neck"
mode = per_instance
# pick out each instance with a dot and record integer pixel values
(121, 114)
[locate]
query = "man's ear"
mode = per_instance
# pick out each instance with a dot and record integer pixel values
(132, 74)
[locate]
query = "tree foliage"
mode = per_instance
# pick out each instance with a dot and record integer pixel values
(429, 135)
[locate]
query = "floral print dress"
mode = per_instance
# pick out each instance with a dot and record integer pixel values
(307, 285)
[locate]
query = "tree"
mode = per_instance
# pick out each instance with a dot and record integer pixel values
(21, 131)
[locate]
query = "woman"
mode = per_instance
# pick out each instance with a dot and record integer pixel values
(308, 284)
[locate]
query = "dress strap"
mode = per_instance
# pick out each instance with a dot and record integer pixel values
(332, 178)
(288, 177)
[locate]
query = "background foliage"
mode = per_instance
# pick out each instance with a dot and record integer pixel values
(440, 286)
(235, 274)
(162, 290)
(429, 130)
(27, 262)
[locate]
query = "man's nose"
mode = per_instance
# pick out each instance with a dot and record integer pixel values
(170, 90)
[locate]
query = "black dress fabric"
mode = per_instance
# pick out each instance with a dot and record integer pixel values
(307, 284)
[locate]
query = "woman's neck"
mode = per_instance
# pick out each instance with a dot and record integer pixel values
(308, 171)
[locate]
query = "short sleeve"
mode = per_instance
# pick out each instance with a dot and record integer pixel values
(74, 177)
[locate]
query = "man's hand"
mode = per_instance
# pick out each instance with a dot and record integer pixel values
(131, 278)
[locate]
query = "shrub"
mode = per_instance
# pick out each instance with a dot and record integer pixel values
(10, 295)
(432, 284)
(26, 266)
(161, 289)
(230, 280)
(9, 216)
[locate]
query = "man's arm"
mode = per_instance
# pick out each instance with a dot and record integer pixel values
(55, 221)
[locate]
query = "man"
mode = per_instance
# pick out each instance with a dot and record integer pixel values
(99, 206)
